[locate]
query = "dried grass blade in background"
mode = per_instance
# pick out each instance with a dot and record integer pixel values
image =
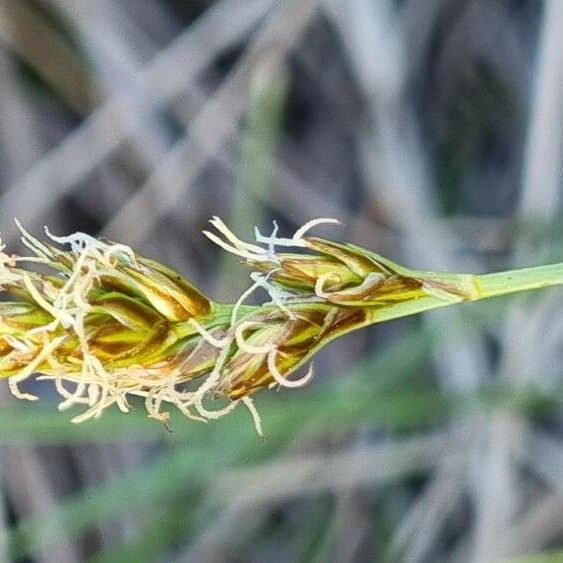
(82, 150)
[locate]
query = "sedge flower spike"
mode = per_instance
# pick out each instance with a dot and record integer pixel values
(106, 324)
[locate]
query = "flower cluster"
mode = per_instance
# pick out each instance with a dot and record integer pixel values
(104, 323)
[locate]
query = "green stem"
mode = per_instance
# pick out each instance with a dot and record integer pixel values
(502, 283)
(488, 285)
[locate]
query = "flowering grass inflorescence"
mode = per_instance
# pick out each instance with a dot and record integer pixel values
(105, 323)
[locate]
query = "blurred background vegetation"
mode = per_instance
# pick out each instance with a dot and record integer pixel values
(433, 130)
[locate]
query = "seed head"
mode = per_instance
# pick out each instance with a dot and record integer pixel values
(104, 323)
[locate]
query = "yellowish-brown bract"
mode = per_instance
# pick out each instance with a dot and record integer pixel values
(104, 323)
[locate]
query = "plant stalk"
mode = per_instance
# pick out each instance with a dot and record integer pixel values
(513, 281)
(488, 285)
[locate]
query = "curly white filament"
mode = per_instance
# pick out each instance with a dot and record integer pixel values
(320, 283)
(281, 379)
(299, 233)
(249, 348)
